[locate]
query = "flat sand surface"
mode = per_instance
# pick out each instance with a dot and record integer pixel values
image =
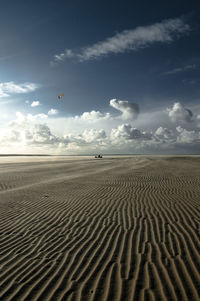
(117, 228)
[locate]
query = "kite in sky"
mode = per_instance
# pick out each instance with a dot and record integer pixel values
(60, 96)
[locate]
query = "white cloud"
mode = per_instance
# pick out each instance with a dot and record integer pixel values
(178, 113)
(198, 120)
(78, 135)
(53, 112)
(129, 110)
(123, 139)
(9, 88)
(90, 137)
(128, 139)
(164, 133)
(181, 69)
(93, 135)
(93, 116)
(31, 117)
(20, 117)
(129, 40)
(35, 103)
(67, 53)
(26, 133)
(40, 134)
(28, 118)
(185, 136)
(23, 131)
(127, 132)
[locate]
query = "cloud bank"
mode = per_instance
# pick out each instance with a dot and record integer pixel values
(104, 133)
(129, 40)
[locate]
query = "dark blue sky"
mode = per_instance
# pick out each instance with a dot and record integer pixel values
(154, 74)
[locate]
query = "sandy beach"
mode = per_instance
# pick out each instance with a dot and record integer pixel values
(117, 228)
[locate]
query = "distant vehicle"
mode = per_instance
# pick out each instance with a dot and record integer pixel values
(98, 156)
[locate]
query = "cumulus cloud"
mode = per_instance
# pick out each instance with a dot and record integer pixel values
(22, 131)
(129, 40)
(164, 133)
(179, 139)
(186, 136)
(87, 137)
(127, 139)
(78, 135)
(35, 103)
(20, 118)
(93, 135)
(129, 110)
(36, 116)
(25, 133)
(9, 88)
(126, 131)
(53, 112)
(122, 139)
(40, 134)
(93, 116)
(178, 113)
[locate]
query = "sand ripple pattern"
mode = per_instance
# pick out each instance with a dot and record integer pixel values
(111, 229)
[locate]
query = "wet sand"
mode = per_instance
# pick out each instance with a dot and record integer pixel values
(117, 228)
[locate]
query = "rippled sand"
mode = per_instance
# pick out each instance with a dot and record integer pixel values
(117, 228)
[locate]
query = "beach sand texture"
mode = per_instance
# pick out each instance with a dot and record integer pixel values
(117, 228)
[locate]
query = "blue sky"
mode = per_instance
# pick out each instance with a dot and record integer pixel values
(129, 72)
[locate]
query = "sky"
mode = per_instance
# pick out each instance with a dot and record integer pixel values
(129, 72)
